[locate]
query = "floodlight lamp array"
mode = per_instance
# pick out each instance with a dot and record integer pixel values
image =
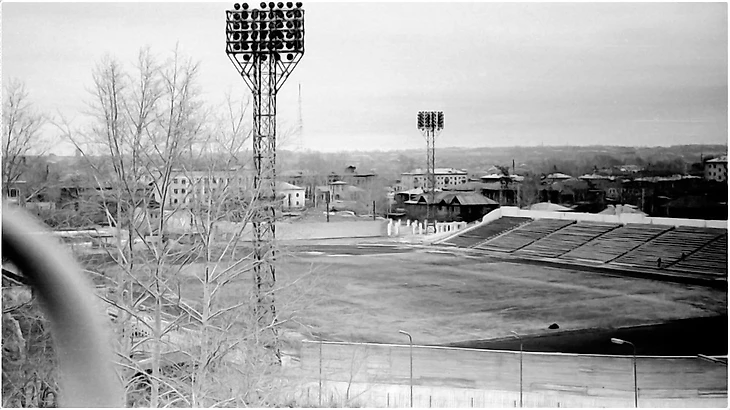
(430, 120)
(276, 31)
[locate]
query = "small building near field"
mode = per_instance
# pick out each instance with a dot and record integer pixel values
(450, 206)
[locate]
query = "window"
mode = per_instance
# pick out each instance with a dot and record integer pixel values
(174, 180)
(174, 191)
(174, 201)
(297, 197)
(183, 181)
(13, 192)
(182, 190)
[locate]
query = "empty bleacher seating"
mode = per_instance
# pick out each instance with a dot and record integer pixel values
(669, 246)
(616, 242)
(710, 259)
(566, 239)
(486, 231)
(524, 235)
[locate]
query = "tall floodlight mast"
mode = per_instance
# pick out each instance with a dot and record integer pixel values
(430, 123)
(265, 45)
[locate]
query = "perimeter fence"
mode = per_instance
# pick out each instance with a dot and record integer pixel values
(379, 375)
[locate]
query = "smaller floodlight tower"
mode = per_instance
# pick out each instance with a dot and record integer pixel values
(265, 45)
(430, 123)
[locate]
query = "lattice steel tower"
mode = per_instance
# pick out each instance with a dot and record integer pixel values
(430, 123)
(265, 45)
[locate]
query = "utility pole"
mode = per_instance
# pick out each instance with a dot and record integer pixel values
(265, 45)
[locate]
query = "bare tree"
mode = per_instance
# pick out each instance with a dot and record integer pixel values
(21, 131)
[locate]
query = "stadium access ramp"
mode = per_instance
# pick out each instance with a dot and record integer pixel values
(486, 231)
(566, 239)
(711, 259)
(668, 248)
(615, 243)
(524, 235)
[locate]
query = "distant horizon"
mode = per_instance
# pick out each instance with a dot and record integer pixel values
(531, 74)
(462, 147)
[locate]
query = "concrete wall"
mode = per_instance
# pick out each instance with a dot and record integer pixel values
(599, 378)
(622, 218)
(314, 230)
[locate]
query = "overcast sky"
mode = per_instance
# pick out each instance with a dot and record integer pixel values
(504, 74)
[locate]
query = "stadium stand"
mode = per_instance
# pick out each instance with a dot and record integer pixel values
(667, 248)
(710, 259)
(524, 235)
(487, 231)
(616, 242)
(566, 239)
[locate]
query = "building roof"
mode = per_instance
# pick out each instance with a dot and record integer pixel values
(494, 176)
(437, 171)
(456, 198)
(547, 206)
(414, 191)
(281, 185)
(718, 159)
(664, 179)
(621, 209)
(595, 176)
(558, 175)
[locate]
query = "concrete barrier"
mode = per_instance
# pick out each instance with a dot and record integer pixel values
(716, 224)
(591, 380)
(313, 230)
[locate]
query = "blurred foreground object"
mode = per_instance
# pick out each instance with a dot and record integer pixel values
(82, 348)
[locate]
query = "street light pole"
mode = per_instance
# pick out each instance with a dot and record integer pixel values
(520, 339)
(410, 339)
(636, 386)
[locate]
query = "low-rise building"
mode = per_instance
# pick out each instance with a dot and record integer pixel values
(450, 206)
(716, 169)
(292, 196)
(446, 178)
(190, 186)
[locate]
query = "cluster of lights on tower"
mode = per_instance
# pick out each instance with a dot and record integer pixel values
(430, 120)
(274, 31)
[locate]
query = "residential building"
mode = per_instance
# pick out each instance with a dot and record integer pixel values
(446, 178)
(187, 187)
(359, 179)
(716, 169)
(450, 206)
(292, 195)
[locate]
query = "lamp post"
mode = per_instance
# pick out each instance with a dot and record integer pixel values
(410, 339)
(636, 387)
(265, 45)
(520, 339)
(430, 123)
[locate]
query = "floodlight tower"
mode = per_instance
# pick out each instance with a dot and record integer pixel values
(265, 45)
(430, 123)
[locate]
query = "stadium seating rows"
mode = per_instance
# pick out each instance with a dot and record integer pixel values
(668, 248)
(616, 242)
(566, 239)
(487, 231)
(710, 259)
(682, 249)
(524, 235)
